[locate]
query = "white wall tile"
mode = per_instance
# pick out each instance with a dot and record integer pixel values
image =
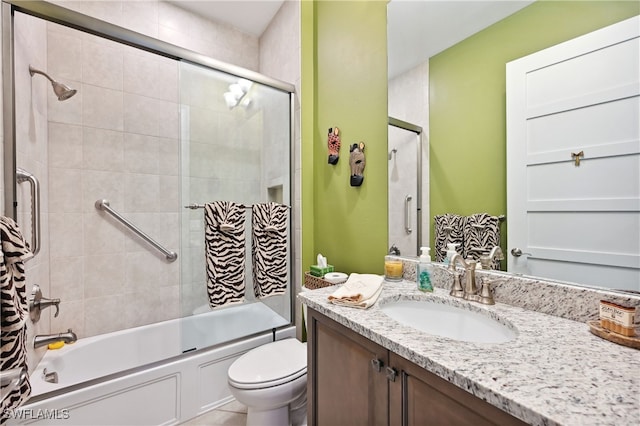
(149, 75)
(141, 192)
(64, 56)
(102, 108)
(65, 190)
(102, 149)
(66, 234)
(99, 185)
(65, 145)
(67, 278)
(141, 153)
(102, 64)
(104, 276)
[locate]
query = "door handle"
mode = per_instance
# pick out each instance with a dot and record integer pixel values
(407, 214)
(516, 252)
(376, 364)
(392, 373)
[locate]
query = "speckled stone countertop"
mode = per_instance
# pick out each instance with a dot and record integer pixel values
(555, 372)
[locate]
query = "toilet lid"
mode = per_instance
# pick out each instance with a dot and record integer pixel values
(269, 365)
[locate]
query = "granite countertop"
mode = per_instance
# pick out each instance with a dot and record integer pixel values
(555, 372)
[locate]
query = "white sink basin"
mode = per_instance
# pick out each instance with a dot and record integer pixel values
(448, 321)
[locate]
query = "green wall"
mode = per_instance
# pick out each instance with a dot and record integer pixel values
(344, 84)
(467, 100)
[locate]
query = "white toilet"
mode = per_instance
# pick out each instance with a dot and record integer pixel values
(271, 380)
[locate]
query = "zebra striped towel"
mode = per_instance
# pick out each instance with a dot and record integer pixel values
(13, 330)
(269, 249)
(448, 229)
(225, 252)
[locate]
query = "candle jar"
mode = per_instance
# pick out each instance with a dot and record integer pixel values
(392, 268)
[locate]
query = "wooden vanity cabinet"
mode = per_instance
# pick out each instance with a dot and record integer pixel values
(344, 385)
(354, 381)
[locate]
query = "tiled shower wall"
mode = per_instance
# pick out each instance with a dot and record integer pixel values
(100, 155)
(117, 139)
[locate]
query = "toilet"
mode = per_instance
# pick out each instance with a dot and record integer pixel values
(271, 380)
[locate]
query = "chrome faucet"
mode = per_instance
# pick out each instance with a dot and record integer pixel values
(470, 291)
(45, 339)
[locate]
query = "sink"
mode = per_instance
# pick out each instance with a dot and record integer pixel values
(449, 321)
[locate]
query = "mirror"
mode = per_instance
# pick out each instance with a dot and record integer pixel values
(418, 31)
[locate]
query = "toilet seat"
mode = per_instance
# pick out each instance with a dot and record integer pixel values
(269, 365)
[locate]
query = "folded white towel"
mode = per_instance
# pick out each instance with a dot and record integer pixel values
(360, 291)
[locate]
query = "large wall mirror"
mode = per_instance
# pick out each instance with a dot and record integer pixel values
(419, 30)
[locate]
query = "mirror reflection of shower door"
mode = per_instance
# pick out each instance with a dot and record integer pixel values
(404, 155)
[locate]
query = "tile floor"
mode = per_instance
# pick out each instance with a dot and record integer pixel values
(231, 414)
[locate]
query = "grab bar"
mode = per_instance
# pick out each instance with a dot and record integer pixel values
(407, 214)
(24, 176)
(104, 205)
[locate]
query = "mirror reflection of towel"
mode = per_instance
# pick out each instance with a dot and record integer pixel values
(448, 229)
(481, 233)
(13, 329)
(269, 249)
(225, 252)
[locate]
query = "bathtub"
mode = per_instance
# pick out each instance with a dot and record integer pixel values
(160, 374)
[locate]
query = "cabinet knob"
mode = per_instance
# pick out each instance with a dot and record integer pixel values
(376, 364)
(391, 374)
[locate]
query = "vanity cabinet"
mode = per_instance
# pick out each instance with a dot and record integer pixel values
(354, 381)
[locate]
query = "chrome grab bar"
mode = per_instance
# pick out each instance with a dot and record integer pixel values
(104, 205)
(407, 214)
(24, 176)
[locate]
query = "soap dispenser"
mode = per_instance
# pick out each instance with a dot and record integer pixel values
(451, 250)
(423, 277)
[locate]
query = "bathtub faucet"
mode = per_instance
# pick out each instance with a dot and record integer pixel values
(45, 339)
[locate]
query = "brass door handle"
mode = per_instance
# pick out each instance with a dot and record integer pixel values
(576, 157)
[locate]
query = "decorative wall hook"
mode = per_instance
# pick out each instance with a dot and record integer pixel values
(334, 145)
(576, 157)
(357, 163)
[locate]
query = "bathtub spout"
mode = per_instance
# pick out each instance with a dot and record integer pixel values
(45, 339)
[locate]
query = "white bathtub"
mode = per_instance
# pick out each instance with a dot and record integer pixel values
(160, 385)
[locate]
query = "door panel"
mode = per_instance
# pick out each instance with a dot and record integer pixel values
(573, 159)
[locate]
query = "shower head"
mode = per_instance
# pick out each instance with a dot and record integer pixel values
(62, 91)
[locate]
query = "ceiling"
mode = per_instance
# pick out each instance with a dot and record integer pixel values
(417, 29)
(249, 16)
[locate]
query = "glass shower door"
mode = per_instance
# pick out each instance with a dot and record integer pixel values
(235, 142)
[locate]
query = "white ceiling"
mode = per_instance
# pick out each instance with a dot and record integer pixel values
(249, 16)
(417, 29)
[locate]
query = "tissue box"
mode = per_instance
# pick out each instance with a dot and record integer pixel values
(318, 271)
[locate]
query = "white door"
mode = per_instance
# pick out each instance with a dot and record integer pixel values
(404, 186)
(573, 160)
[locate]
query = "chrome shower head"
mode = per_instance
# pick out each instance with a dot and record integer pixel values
(62, 91)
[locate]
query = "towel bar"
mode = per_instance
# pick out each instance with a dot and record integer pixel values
(201, 206)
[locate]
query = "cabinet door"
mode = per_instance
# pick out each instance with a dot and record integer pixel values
(418, 397)
(345, 386)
